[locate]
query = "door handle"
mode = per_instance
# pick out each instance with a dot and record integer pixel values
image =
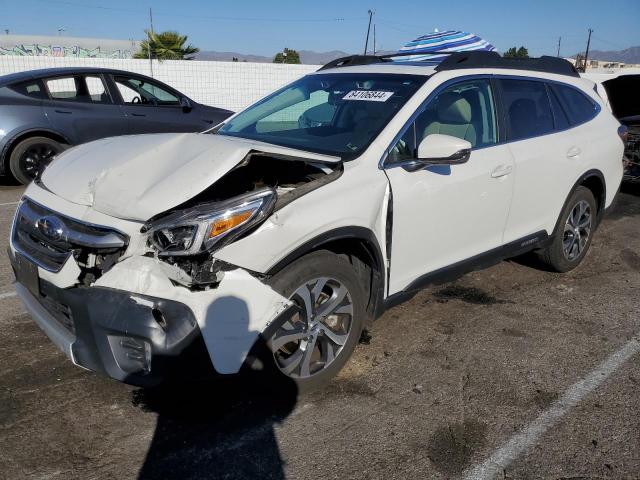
(573, 152)
(62, 111)
(501, 171)
(138, 115)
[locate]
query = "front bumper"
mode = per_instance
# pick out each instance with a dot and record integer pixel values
(139, 340)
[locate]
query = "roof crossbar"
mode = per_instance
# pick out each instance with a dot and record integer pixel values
(472, 59)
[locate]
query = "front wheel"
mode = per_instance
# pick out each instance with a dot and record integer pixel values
(31, 156)
(313, 345)
(574, 232)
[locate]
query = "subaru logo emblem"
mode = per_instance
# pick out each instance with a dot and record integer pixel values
(51, 227)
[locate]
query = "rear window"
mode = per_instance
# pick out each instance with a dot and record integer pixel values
(577, 105)
(527, 107)
(30, 88)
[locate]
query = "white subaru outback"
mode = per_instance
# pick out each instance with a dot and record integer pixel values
(302, 218)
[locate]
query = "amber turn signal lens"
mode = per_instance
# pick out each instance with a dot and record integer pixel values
(225, 224)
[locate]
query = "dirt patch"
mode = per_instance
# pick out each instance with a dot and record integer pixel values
(543, 399)
(513, 332)
(451, 447)
(466, 294)
(631, 258)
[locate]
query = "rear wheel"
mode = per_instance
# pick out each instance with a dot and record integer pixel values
(313, 345)
(31, 156)
(574, 232)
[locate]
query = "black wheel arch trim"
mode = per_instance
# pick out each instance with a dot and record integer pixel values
(370, 242)
(32, 132)
(593, 173)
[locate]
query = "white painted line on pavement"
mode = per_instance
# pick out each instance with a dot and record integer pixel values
(7, 295)
(527, 438)
(8, 204)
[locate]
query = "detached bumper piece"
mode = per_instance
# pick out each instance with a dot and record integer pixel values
(135, 339)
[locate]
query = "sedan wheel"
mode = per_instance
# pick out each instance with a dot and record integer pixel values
(30, 157)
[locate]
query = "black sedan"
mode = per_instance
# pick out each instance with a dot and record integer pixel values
(43, 112)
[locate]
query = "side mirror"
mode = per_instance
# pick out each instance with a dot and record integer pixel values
(438, 149)
(185, 103)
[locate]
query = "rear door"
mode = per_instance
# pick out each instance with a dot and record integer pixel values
(550, 143)
(154, 108)
(81, 108)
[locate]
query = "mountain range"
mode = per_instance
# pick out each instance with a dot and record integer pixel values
(309, 57)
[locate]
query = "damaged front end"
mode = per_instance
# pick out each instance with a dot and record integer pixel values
(146, 301)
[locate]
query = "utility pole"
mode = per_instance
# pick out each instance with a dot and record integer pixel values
(586, 54)
(149, 41)
(559, 41)
(374, 38)
(366, 43)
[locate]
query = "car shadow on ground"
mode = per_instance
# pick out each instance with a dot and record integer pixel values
(222, 427)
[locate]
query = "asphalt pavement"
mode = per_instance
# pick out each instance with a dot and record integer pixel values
(511, 372)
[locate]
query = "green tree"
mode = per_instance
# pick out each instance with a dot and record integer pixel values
(287, 56)
(168, 45)
(514, 52)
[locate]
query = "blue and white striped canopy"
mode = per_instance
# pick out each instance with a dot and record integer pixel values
(448, 41)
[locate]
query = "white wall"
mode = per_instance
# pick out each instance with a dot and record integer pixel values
(231, 85)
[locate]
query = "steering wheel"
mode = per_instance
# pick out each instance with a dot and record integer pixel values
(136, 100)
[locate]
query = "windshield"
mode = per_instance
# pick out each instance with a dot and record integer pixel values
(335, 114)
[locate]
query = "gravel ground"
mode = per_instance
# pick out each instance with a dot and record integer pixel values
(511, 372)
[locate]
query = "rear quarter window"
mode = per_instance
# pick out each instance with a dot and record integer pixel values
(31, 88)
(578, 106)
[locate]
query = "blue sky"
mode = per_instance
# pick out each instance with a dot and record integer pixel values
(264, 27)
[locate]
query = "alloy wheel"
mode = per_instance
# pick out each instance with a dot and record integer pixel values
(577, 229)
(35, 158)
(310, 341)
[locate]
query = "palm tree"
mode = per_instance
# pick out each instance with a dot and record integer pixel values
(168, 45)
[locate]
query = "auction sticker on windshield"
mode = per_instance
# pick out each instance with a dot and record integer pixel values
(368, 95)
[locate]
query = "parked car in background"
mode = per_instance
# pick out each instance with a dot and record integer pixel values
(624, 98)
(43, 112)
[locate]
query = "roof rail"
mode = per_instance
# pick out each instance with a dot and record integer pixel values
(472, 59)
(480, 59)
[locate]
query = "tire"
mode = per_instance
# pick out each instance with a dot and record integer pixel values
(333, 332)
(29, 157)
(577, 221)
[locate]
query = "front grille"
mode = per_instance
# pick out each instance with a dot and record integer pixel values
(49, 238)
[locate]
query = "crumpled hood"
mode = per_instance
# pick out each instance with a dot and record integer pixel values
(137, 177)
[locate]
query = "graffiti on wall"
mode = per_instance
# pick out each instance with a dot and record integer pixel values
(59, 51)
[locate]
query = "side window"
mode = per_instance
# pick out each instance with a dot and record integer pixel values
(30, 88)
(578, 106)
(464, 110)
(526, 104)
(560, 119)
(140, 91)
(63, 88)
(89, 89)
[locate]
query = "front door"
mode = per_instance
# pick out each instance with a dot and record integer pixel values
(152, 108)
(445, 214)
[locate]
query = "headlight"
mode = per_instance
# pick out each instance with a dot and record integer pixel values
(201, 228)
